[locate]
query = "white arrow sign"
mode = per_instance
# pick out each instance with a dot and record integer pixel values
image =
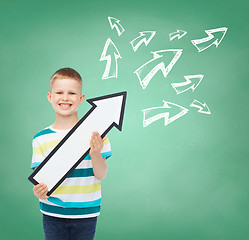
(160, 60)
(179, 34)
(111, 55)
(145, 37)
(203, 108)
(106, 112)
(215, 36)
(114, 23)
(166, 112)
(192, 82)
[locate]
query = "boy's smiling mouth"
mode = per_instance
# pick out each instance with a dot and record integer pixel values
(65, 105)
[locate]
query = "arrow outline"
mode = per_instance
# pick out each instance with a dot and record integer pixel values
(177, 34)
(200, 108)
(210, 36)
(165, 115)
(115, 25)
(188, 82)
(94, 106)
(146, 41)
(108, 58)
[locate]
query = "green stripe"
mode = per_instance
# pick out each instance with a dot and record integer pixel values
(84, 172)
(43, 132)
(68, 211)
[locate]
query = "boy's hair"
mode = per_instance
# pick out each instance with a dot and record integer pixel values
(67, 73)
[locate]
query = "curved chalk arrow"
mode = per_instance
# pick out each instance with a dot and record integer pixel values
(215, 36)
(179, 34)
(114, 23)
(106, 112)
(145, 37)
(192, 82)
(111, 55)
(203, 108)
(160, 60)
(167, 110)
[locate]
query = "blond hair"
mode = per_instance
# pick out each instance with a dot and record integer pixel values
(67, 73)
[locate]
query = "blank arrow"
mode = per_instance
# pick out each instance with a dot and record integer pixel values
(167, 110)
(215, 36)
(192, 82)
(114, 23)
(160, 60)
(179, 34)
(111, 55)
(145, 37)
(106, 112)
(203, 108)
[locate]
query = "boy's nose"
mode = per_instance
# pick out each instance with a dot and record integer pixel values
(65, 96)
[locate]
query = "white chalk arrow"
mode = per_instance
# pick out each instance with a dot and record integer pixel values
(166, 112)
(145, 37)
(203, 108)
(192, 82)
(160, 60)
(106, 112)
(114, 23)
(111, 55)
(215, 36)
(179, 34)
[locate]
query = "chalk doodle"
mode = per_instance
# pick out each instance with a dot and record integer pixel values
(160, 60)
(115, 23)
(179, 34)
(215, 36)
(167, 110)
(144, 37)
(192, 82)
(111, 55)
(203, 108)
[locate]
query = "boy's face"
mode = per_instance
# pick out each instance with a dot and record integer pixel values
(65, 96)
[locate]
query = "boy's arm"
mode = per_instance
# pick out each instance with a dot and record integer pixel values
(98, 162)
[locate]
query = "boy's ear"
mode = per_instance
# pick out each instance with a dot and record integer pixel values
(49, 97)
(82, 97)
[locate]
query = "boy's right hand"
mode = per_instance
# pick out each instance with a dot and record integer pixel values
(40, 191)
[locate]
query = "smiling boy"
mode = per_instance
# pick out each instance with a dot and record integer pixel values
(71, 211)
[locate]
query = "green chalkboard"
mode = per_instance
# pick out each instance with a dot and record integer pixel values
(180, 179)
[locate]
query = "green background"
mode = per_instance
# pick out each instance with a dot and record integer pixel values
(187, 180)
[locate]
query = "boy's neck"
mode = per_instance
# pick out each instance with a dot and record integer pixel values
(65, 122)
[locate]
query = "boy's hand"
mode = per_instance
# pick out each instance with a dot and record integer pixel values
(96, 144)
(40, 191)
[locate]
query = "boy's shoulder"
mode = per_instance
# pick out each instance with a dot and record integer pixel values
(43, 132)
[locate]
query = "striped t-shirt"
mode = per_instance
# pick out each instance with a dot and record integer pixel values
(79, 195)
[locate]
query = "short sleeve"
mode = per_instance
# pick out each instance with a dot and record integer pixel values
(106, 151)
(38, 155)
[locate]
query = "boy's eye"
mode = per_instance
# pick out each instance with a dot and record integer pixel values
(72, 93)
(58, 92)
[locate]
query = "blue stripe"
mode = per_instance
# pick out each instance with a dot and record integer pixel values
(35, 164)
(59, 202)
(68, 211)
(83, 172)
(106, 154)
(43, 132)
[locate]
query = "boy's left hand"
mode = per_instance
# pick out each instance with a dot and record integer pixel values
(96, 144)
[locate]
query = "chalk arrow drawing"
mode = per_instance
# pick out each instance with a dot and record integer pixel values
(106, 112)
(160, 59)
(114, 23)
(179, 34)
(215, 36)
(167, 110)
(192, 82)
(145, 37)
(203, 108)
(111, 55)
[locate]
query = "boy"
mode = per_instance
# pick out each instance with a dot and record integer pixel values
(71, 211)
